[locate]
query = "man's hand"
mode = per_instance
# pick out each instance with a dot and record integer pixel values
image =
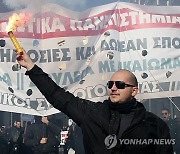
(24, 60)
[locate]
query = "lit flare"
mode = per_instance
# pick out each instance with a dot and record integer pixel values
(15, 21)
(15, 42)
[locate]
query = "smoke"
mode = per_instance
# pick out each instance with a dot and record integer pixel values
(70, 4)
(35, 4)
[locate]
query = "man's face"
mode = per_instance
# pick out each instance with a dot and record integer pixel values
(165, 115)
(18, 124)
(121, 95)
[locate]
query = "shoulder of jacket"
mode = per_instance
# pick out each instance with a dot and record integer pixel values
(94, 104)
(152, 118)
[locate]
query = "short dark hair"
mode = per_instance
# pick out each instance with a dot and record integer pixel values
(166, 109)
(37, 119)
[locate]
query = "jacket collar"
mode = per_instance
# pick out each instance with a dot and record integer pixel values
(139, 115)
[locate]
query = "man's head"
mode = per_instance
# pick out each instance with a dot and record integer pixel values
(165, 114)
(17, 124)
(123, 86)
(37, 119)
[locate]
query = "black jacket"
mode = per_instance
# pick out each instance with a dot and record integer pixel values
(39, 130)
(15, 139)
(75, 139)
(3, 145)
(15, 135)
(95, 118)
(175, 134)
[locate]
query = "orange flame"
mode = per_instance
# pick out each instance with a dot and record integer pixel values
(17, 20)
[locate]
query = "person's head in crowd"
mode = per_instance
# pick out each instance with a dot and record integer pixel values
(17, 124)
(28, 123)
(3, 127)
(165, 114)
(64, 128)
(123, 86)
(37, 119)
(70, 122)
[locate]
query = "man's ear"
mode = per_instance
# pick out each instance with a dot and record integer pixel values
(134, 91)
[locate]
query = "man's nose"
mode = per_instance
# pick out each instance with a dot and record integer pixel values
(114, 87)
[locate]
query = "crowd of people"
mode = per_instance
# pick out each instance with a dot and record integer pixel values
(32, 138)
(41, 137)
(37, 138)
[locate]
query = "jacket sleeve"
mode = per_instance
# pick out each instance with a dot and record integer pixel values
(72, 106)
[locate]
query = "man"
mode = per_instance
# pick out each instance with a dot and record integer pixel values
(106, 125)
(3, 140)
(74, 140)
(173, 126)
(41, 136)
(15, 137)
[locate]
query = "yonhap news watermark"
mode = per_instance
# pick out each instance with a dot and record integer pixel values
(147, 141)
(111, 141)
